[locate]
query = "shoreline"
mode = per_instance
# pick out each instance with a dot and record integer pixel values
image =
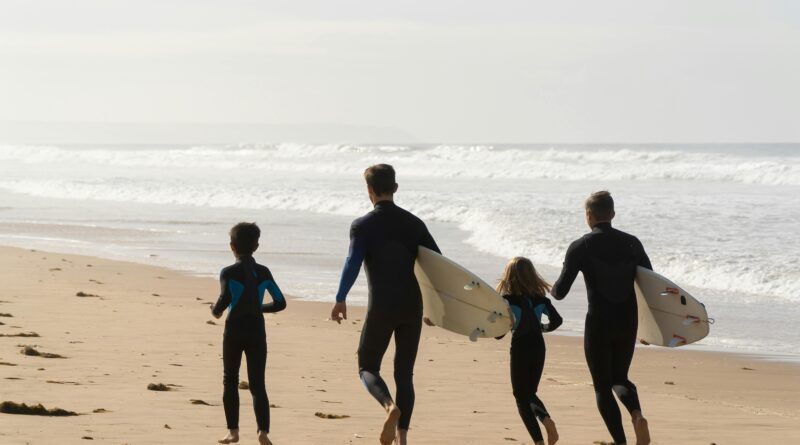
(577, 291)
(147, 324)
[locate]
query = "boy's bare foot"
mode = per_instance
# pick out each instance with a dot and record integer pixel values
(263, 439)
(552, 433)
(232, 437)
(390, 425)
(401, 438)
(641, 429)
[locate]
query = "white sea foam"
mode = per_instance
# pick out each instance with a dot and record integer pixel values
(720, 220)
(310, 178)
(443, 161)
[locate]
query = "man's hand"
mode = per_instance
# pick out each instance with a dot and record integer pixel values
(428, 321)
(339, 312)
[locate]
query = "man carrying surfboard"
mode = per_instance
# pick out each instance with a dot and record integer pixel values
(386, 241)
(608, 259)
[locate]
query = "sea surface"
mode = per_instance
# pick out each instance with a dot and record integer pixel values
(720, 220)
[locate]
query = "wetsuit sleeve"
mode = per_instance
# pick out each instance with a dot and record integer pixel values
(572, 265)
(278, 302)
(553, 316)
(224, 296)
(352, 265)
(516, 314)
(644, 260)
(428, 241)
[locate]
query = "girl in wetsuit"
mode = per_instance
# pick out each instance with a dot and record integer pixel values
(524, 290)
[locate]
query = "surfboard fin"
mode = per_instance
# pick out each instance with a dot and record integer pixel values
(690, 320)
(475, 334)
(677, 340)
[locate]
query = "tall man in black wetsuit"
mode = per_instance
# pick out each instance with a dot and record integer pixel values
(386, 240)
(608, 259)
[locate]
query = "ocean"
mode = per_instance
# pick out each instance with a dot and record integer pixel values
(718, 219)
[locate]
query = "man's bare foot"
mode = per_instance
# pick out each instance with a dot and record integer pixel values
(232, 437)
(401, 438)
(390, 425)
(263, 439)
(641, 429)
(552, 433)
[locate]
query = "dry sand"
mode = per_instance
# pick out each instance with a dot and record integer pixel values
(150, 325)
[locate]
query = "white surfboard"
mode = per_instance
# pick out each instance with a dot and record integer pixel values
(668, 315)
(458, 300)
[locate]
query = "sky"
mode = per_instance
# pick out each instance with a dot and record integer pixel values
(444, 71)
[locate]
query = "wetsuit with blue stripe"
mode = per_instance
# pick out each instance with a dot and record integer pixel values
(527, 356)
(608, 258)
(386, 240)
(243, 286)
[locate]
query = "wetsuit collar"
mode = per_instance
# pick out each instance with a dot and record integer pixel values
(384, 203)
(601, 227)
(246, 259)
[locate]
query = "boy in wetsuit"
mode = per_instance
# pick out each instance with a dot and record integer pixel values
(242, 291)
(386, 240)
(608, 259)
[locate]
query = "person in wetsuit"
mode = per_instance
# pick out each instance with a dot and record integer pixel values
(386, 240)
(524, 290)
(608, 259)
(243, 285)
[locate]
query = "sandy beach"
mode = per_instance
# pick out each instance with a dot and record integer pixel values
(138, 325)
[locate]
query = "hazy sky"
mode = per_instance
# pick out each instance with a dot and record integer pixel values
(441, 70)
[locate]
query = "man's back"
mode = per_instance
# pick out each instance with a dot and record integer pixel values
(391, 237)
(608, 259)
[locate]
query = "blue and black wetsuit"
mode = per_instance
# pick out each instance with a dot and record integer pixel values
(386, 240)
(527, 355)
(242, 291)
(608, 259)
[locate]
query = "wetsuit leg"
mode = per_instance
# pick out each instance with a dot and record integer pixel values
(598, 347)
(375, 337)
(256, 353)
(527, 364)
(406, 339)
(622, 354)
(232, 349)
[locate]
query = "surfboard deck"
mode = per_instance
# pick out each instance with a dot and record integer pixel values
(458, 300)
(668, 315)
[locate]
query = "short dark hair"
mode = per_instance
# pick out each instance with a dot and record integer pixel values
(601, 204)
(381, 178)
(244, 237)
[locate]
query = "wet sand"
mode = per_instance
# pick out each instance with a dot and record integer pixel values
(137, 325)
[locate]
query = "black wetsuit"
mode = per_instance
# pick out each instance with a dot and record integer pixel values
(608, 258)
(386, 240)
(527, 356)
(242, 291)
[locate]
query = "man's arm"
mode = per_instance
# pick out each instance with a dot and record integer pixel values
(644, 260)
(278, 302)
(224, 297)
(572, 265)
(428, 241)
(352, 265)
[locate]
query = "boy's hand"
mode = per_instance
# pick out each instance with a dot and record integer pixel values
(213, 314)
(339, 312)
(428, 321)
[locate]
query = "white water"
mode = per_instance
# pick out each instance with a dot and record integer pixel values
(718, 219)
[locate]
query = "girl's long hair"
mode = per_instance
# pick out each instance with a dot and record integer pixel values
(521, 278)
